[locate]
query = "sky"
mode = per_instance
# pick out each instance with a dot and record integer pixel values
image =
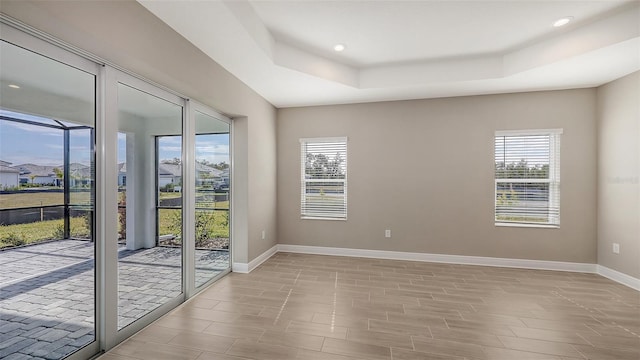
(213, 148)
(24, 143)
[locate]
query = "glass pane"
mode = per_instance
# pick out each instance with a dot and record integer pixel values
(522, 157)
(47, 282)
(324, 188)
(522, 202)
(81, 175)
(149, 264)
(212, 197)
(169, 180)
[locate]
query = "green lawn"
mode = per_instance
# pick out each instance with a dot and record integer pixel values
(212, 205)
(169, 195)
(209, 224)
(29, 198)
(20, 234)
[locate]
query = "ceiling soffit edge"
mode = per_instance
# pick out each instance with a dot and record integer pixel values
(617, 27)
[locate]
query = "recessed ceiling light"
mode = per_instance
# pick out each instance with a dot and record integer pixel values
(339, 47)
(14, 86)
(562, 22)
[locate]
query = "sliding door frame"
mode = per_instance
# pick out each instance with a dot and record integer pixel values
(105, 224)
(113, 335)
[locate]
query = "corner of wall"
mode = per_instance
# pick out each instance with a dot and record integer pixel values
(618, 186)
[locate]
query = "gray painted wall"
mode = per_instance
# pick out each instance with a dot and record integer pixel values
(126, 34)
(425, 170)
(401, 175)
(618, 173)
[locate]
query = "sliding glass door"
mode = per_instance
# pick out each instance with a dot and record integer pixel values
(114, 201)
(47, 205)
(150, 254)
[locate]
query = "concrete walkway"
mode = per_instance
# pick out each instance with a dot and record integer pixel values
(47, 293)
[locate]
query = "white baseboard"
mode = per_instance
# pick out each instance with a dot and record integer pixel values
(442, 258)
(245, 268)
(619, 277)
(614, 275)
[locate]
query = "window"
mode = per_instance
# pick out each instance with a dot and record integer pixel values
(323, 178)
(527, 178)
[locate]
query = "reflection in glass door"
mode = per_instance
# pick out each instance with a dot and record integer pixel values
(149, 260)
(212, 186)
(170, 190)
(47, 207)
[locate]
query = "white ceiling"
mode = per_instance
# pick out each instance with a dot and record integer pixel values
(409, 49)
(63, 92)
(46, 87)
(381, 32)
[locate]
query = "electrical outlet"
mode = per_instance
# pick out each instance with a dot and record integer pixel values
(616, 248)
(387, 233)
(264, 234)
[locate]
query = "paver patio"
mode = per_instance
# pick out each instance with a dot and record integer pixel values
(47, 292)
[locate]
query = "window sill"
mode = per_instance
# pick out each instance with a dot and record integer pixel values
(541, 226)
(322, 218)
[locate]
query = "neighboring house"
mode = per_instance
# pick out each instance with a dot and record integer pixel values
(8, 175)
(169, 174)
(224, 177)
(122, 174)
(38, 174)
(79, 174)
(207, 175)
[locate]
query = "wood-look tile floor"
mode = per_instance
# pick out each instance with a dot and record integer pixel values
(312, 307)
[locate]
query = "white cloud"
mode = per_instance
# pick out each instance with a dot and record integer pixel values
(176, 140)
(17, 159)
(170, 148)
(212, 148)
(71, 148)
(42, 130)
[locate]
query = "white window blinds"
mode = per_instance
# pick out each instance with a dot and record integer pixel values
(323, 178)
(527, 178)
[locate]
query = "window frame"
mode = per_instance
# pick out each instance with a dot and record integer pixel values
(553, 219)
(306, 215)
